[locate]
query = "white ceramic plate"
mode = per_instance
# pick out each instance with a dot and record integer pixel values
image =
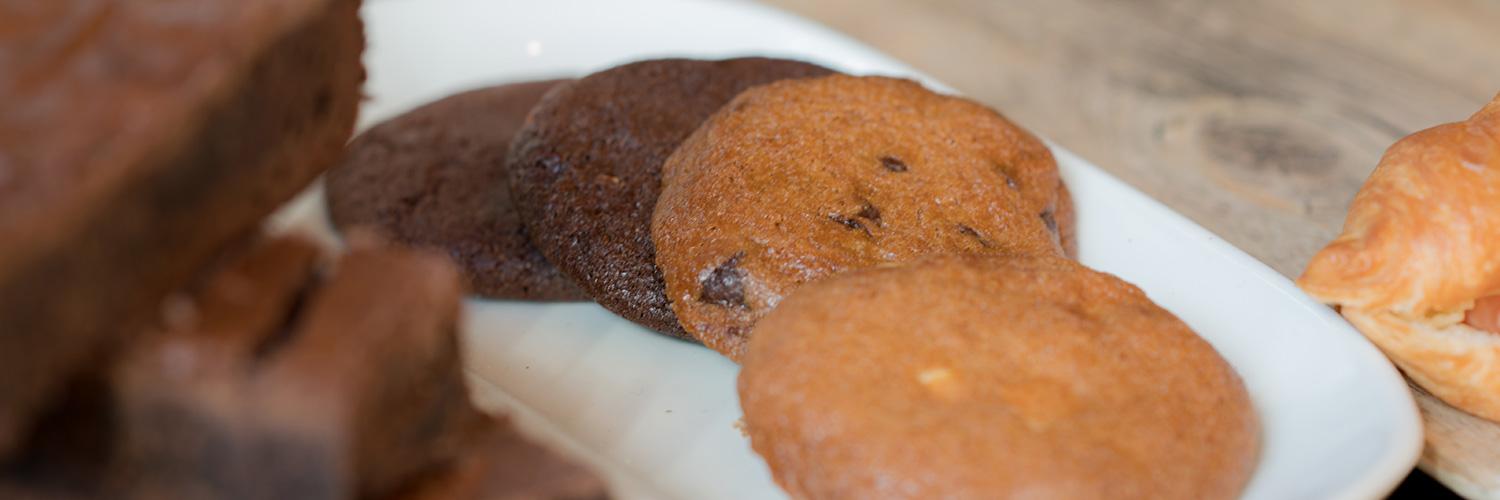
(657, 416)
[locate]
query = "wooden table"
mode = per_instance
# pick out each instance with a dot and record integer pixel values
(1259, 120)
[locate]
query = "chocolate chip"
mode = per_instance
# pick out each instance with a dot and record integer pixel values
(1049, 220)
(1005, 170)
(969, 231)
(868, 211)
(893, 164)
(725, 285)
(850, 222)
(1010, 182)
(552, 164)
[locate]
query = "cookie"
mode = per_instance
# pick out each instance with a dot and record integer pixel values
(991, 377)
(436, 177)
(1065, 221)
(585, 170)
(802, 179)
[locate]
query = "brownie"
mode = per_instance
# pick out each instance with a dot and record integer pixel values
(799, 180)
(137, 140)
(277, 382)
(585, 169)
(68, 453)
(435, 177)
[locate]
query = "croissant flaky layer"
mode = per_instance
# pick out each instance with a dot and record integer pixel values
(1420, 246)
(1457, 363)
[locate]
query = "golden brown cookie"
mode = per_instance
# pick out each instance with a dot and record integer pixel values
(801, 179)
(1064, 221)
(991, 377)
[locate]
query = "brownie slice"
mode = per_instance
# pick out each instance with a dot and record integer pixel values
(276, 383)
(137, 139)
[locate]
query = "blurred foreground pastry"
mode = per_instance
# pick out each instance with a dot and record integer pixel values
(284, 376)
(280, 380)
(137, 140)
(991, 377)
(797, 180)
(277, 383)
(1417, 267)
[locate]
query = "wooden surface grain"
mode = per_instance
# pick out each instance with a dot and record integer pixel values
(1258, 120)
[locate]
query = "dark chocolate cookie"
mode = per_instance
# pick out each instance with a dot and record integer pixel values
(586, 169)
(435, 177)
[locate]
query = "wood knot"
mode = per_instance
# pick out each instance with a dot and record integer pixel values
(1268, 148)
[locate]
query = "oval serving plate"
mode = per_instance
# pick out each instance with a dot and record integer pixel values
(658, 417)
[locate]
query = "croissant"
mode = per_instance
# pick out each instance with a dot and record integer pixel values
(1417, 267)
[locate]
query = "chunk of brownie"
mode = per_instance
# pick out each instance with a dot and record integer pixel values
(137, 139)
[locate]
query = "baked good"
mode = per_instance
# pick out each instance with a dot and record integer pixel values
(137, 139)
(801, 179)
(1065, 221)
(1420, 249)
(436, 177)
(585, 170)
(68, 450)
(503, 465)
(991, 377)
(275, 383)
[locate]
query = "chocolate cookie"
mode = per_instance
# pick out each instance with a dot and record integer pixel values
(585, 170)
(802, 179)
(991, 377)
(436, 177)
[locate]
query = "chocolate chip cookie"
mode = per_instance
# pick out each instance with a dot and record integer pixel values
(436, 177)
(801, 179)
(991, 377)
(585, 170)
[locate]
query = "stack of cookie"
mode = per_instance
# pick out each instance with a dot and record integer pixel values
(890, 265)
